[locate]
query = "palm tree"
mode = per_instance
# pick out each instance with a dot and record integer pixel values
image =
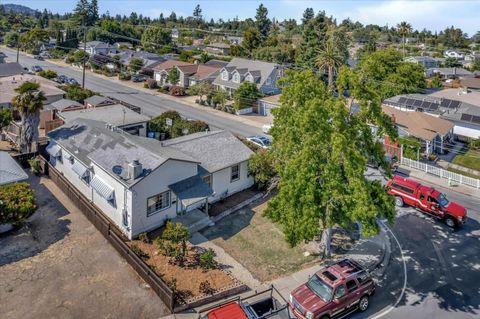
(404, 29)
(28, 103)
(329, 59)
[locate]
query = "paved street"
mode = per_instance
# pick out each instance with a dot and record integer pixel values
(151, 105)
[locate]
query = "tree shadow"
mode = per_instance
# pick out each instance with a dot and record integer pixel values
(229, 226)
(45, 227)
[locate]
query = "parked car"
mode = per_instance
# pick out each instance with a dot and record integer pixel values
(38, 57)
(426, 199)
(36, 68)
(26, 70)
(71, 81)
(262, 141)
(264, 304)
(139, 78)
(334, 291)
(61, 78)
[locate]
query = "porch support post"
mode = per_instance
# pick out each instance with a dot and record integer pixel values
(206, 206)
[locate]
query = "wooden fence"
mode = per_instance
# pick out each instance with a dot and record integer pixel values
(112, 234)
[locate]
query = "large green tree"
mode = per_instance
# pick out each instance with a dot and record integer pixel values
(136, 64)
(262, 22)
(173, 76)
(246, 94)
(320, 152)
(334, 53)
(313, 38)
(251, 40)
(154, 38)
(29, 103)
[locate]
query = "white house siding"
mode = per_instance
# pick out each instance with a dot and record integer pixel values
(265, 108)
(221, 182)
(466, 130)
(157, 182)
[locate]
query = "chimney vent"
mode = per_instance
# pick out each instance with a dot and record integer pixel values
(135, 169)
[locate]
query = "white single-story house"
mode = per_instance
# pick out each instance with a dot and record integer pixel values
(139, 183)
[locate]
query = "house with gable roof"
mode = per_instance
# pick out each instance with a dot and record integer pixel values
(239, 70)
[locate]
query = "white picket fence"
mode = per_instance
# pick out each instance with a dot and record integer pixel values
(461, 179)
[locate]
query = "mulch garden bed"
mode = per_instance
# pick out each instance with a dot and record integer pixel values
(232, 201)
(187, 278)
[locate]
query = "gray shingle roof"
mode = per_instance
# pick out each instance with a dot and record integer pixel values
(116, 114)
(90, 141)
(215, 150)
(9, 69)
(60, 105)
(191, 190)
(10, 171)
(97, 99)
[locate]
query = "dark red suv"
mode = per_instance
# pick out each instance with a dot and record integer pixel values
(332, 292)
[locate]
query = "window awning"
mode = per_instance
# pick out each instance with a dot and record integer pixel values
(191, 190)
(54, 150)
(80, 169)
(102, 188)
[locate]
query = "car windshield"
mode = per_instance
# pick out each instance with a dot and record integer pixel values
(320, 288)
(265, 141)
(442, 200)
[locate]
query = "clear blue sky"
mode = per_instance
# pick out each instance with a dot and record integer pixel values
(433, 15)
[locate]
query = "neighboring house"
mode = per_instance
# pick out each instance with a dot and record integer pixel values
(263, 74)
(448, 73)
(218, 48)
(450, 104)
(50, 110)
(97, 101)
(149, 59)
(235, 40)
(10, 83)
(9, 69)
(117, 116)
(266, 104)
(102, 61)
(190, 73)
(410, 40)
(174, 34)
(217, 62)
(160, 72)
(139, 183)
(10, 170)
(425, 61)
(454, 54)
(431, 131)
(98, 47)
(123, 45)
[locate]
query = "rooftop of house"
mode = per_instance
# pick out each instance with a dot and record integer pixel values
(10, 83)
(217, 62)
(117, 115)
(96, 44)
(451, 71)
(421, 58)
(62, 104)
(472, 98)
(219, 45)
(92, 141)
(97, 99)
(11, 68)
(10, 170)
(419, 124)
(471, 83)
(215, 150)
(204, 71)
(169, 64)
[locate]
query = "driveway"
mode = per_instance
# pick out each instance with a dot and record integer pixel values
(60, 266)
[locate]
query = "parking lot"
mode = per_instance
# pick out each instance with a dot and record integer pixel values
(60, 266)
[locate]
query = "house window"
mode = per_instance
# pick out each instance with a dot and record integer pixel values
(235, 173)
(225, 75)
(86, 178)
(236, 78)
(208, 179)
(158, 203)
(249, 78)
(268, 81)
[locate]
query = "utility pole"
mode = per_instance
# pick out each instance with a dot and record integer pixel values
(84, 51)
(18, 45)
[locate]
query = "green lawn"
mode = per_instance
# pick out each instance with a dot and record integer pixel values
(258, 244)
(471, 159)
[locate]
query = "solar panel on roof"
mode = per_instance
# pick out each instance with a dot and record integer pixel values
(402, 100)
(454, 104)
(434, 107)
(417, 103)
(466, 117)
(409, 102)
(426, 105)
(445, 102)
(475, 119)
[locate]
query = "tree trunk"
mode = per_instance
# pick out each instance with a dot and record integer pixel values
(330, 76)
(325, 243)
(29, 131)
(404, 47)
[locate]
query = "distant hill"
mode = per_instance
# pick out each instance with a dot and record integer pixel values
(17, 8)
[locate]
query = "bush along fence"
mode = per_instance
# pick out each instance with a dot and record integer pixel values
(112, 234)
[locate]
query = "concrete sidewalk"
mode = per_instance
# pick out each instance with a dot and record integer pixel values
(426, 178)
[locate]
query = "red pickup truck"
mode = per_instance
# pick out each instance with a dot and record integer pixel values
(333, 292)
(427, 199)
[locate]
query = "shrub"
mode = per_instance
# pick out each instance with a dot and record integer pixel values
(162, 90)
(145, 85)
(207, 259)
(48, 74)
(17, 203)
(261, 167)
(76, 93)
(158, 124)
(206, 288)
(35, 165)
(139, 252)
(144, 237)
(246, 94)
(151, 83)
(124, 76)
(177, 234)
(177, 91)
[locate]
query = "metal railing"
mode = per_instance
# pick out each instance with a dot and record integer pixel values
(440, 172)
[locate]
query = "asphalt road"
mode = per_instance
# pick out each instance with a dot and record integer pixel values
(151, 105)
(442, 267)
